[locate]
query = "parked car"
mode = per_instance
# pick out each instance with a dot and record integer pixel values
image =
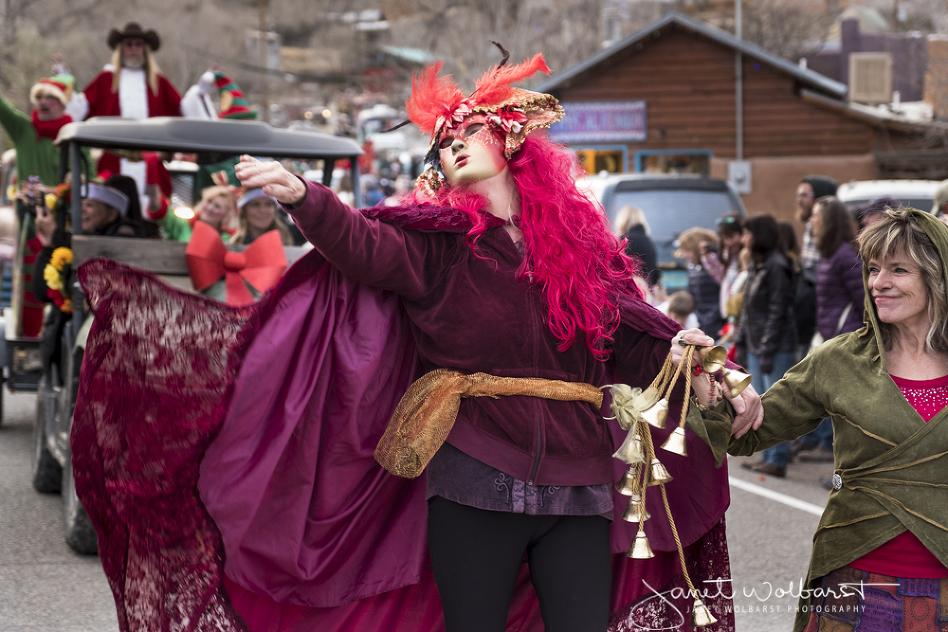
(672, 204)
(210, 140)
(911, 193)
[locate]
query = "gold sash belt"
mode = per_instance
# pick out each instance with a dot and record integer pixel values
(427, 411)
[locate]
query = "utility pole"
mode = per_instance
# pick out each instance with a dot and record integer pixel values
(264, 42)
(739, 82)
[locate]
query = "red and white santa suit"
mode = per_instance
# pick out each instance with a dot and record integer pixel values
(134, 100)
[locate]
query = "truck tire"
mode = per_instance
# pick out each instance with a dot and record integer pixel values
(47, 472)
(80, 534)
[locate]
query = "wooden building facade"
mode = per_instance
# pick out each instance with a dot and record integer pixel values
(683, 96)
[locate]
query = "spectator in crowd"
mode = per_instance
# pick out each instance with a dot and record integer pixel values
(725, 267)
(680, 307)
(839, 298)
(631, 224)
(767, 337)
(702, 286)
(809, 190)
(257, 214)
(874, 210)
(940, 201)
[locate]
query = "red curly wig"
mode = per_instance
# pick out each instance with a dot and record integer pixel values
(569, 248)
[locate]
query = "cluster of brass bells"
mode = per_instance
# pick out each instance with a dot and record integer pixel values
(713, 360)
(635, 410)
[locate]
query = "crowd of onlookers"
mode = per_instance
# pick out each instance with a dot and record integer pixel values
(766, 296)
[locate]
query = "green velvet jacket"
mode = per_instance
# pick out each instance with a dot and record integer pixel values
(893, 465)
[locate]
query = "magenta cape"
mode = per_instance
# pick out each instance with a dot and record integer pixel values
(206, 433)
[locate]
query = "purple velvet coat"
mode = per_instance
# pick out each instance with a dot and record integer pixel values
(839, 283)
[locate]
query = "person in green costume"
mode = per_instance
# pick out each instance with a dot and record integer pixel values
(33, 134)
(880, 553)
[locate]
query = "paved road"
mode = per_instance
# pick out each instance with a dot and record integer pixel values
(45, 587)
(769, 541)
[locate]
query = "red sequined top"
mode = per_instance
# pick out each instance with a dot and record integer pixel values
(905, 555)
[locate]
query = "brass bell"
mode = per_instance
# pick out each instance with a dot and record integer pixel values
(656, 414)
(640, 549)
(629, 481)
(712, 358)
(675, 442)
(736, 381)
(659, 473)
(700, 615)
(635, 511)
(643, 400)
(631, 449)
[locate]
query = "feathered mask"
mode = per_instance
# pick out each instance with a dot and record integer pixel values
(438, 105)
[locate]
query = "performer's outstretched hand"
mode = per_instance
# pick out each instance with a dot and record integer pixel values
(750, 412)
(272, 177)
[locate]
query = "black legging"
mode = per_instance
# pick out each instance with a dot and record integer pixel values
(476, 555)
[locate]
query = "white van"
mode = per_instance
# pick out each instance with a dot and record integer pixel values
(911, 193)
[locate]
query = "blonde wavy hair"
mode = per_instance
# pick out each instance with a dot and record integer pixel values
(898, 234)
(629, 216)
(240, 237)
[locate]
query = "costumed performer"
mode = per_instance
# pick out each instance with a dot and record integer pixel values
(130, 86)
(36, 155)
(880, 553)
(505, 269)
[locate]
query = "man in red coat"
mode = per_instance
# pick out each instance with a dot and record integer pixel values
(131, 87)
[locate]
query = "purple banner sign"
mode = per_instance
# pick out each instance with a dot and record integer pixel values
(605, 121)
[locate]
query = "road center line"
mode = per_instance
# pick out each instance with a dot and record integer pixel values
(790, 501)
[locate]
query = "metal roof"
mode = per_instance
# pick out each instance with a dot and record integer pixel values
(207, 136)
(713, 33)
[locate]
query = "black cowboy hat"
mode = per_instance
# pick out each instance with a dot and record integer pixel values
(134, 29)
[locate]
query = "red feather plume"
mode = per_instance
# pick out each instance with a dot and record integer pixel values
(432, 97)
(494, 85)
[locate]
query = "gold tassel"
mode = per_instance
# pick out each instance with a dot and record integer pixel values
(659, 473)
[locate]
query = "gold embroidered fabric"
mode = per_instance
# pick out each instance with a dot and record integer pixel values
(426, 413)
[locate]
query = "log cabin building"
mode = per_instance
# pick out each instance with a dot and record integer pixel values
(683, 96)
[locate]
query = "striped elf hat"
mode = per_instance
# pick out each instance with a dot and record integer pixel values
(234, 104)
(60, 86)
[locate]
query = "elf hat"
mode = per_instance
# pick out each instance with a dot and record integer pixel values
(234, 104)
(59, 86)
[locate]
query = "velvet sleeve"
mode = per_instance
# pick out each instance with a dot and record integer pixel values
(792, 408)
(370, 251)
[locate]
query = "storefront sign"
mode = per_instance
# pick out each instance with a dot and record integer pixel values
(605, 121)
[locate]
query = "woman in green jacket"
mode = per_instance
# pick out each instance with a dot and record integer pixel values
(880, 554)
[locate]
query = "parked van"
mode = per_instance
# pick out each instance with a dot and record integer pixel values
(918, 194)
(672, 204)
